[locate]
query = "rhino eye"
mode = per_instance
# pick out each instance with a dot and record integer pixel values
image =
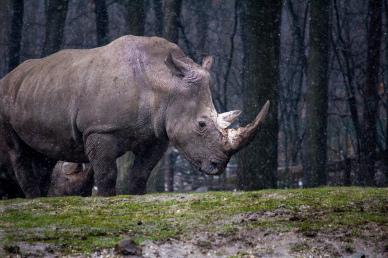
(202, 124)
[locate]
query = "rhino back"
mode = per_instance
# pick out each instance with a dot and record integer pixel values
(52, 102)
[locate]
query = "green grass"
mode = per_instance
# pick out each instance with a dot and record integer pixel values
(82, 225)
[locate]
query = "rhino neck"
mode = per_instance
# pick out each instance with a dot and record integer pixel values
(159, 110)
(173, 117)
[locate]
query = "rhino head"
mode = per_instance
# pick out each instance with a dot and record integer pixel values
(192, 123)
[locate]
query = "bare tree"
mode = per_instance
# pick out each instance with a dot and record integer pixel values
(202, 26)
(171, 12)
(386, 90)
(261, 29)
(158, 9)
(317, 94)
(370, 92)
(342, 48)
(56, 12)
(136, 16)
(293, 75)
(5, 17)
(172, 9)
(101, 22)
(15, 36)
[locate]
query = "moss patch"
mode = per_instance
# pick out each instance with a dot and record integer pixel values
(83, 225)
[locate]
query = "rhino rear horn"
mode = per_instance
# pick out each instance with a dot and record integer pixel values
(240, 137)
(226, 119)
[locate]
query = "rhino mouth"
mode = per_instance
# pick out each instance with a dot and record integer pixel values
(211, 169)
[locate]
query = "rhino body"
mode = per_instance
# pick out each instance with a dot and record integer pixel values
(93, 105)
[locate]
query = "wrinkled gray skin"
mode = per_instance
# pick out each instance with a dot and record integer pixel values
(93, 105)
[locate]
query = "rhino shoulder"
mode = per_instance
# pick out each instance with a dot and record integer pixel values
(11, 82)
(149, 46)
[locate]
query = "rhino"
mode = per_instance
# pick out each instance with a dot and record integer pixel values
(92, 105)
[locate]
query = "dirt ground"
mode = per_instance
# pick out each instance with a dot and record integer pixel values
(260, 244)
(244, 234)
(243, 242)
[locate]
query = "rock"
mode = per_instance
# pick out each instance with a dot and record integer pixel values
(359, 255)
(253, 217)
(269, 214)
(127, 247)
(310, 233)
(202, 189)
(13, 249)
(295, 218)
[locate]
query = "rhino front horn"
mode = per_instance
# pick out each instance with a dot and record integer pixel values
(238, 138)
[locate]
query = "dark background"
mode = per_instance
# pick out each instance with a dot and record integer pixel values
(322, 63)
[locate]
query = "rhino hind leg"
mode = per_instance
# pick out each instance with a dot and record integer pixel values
(9, 187)
(21, 158)
(102, 151)
(146, 159)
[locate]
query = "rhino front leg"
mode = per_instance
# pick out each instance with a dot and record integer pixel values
(43, 166)
(102, 151)
(145, 160)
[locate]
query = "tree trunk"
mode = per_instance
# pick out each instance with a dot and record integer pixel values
(370, 94)
(171, 12)
(261, 29)
(136, 17)
(101, 22)
(5, 19)
(158, 9)
(170, 158)
(317, 94)
(155, 183)
(386, 89)
(124, 164)
(172, 9)
(202, 26)
(56, 11)
(15, 36)
(348, 172)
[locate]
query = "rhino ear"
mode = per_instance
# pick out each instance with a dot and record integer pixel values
(176, 66)
(207, 62)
